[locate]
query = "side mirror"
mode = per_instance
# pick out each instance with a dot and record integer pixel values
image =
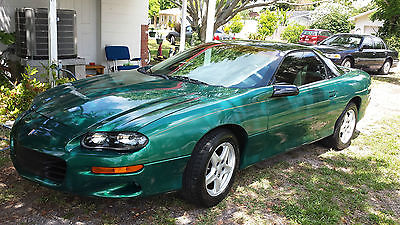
(362, 48)
(285, 90)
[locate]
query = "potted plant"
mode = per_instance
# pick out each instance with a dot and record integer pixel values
(152, 33)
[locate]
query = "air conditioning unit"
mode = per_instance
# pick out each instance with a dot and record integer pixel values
(32, 33)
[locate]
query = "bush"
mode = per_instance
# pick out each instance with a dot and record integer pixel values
(292, 32)
(236, 25)
(15, 100)
(333, 17)
(267, 24)
(393, 42)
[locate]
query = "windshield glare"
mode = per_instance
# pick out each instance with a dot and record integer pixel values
(223, 65)
(343, 41)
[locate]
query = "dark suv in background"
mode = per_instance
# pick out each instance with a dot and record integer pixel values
(359, 51)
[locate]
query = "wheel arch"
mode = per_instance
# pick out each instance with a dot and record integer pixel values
(389, 58)
(356, 100)
(239, 132)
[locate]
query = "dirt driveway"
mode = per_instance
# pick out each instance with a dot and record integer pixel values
(23, 202)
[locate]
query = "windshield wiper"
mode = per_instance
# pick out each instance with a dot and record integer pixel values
(147, 70)
(187, 79)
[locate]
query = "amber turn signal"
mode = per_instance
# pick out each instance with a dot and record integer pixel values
(117, 170)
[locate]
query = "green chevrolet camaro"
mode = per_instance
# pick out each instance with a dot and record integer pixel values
(188, 123)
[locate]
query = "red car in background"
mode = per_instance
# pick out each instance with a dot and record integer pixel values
(313, 36)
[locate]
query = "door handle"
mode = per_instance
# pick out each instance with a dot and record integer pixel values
(332, 94)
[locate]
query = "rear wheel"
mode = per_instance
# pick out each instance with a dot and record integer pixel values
(347, 62)
(172, 40)
(211, 169)
(385, 67)
(344, 128)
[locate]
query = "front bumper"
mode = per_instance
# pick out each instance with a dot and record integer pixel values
(42, 151)
(154, 178)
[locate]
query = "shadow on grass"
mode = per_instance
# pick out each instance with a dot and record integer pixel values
(310, 185)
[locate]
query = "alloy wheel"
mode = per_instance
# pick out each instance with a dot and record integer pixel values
(220, 169)
(348, 126)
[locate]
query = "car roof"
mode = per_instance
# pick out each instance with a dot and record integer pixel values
(317, 29)
(277, 46)
(354, 35)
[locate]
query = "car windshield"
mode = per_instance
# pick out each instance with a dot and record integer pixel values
(346, 41)
(218, 64)
(310, 32)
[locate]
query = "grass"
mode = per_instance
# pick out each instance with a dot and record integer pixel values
(310, 185)
(153, 47)
(335, 187)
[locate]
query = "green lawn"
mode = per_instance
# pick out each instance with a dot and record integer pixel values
(153, 47)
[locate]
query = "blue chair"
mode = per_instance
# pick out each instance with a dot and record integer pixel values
(115, 53)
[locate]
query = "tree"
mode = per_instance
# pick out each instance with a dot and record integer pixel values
(292, 32)
(333, 17)
(267, 24)
(225, 10)
(236, 25)
(389, 12)
(154, 9)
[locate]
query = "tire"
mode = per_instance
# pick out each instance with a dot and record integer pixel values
(345, 127)
(172, 40)
(347, 62)
(206, 162)
(385, 67)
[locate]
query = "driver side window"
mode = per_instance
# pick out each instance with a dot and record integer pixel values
(300, 68)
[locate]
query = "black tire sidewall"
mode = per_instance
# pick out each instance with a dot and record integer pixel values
(201, 156)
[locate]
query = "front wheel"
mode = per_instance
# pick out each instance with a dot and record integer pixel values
(211, 169)
(344, 128)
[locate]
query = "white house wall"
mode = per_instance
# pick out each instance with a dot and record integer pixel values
(121, 23)
(87, 15)
(363, 25)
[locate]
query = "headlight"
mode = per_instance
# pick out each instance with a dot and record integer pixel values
(333, 56)
(119, 141)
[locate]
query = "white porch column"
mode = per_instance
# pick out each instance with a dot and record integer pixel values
(210, 20)
(52, 34)
(183, 26)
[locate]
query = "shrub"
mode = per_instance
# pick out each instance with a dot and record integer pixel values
(393, 42)
(15, 100)
(292, 32)
(333, 17)
(267, 24)
(236, 25)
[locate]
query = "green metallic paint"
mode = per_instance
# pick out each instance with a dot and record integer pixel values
(174, 116)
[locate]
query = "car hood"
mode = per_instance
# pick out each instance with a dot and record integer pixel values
(120, 101)
(330, 49)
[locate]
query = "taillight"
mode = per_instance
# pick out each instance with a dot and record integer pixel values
(216, 38)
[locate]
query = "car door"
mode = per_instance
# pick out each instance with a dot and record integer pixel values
(380, 50)
(300, 119)
(366, 57)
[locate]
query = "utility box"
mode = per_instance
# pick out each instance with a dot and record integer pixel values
(32, 33)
